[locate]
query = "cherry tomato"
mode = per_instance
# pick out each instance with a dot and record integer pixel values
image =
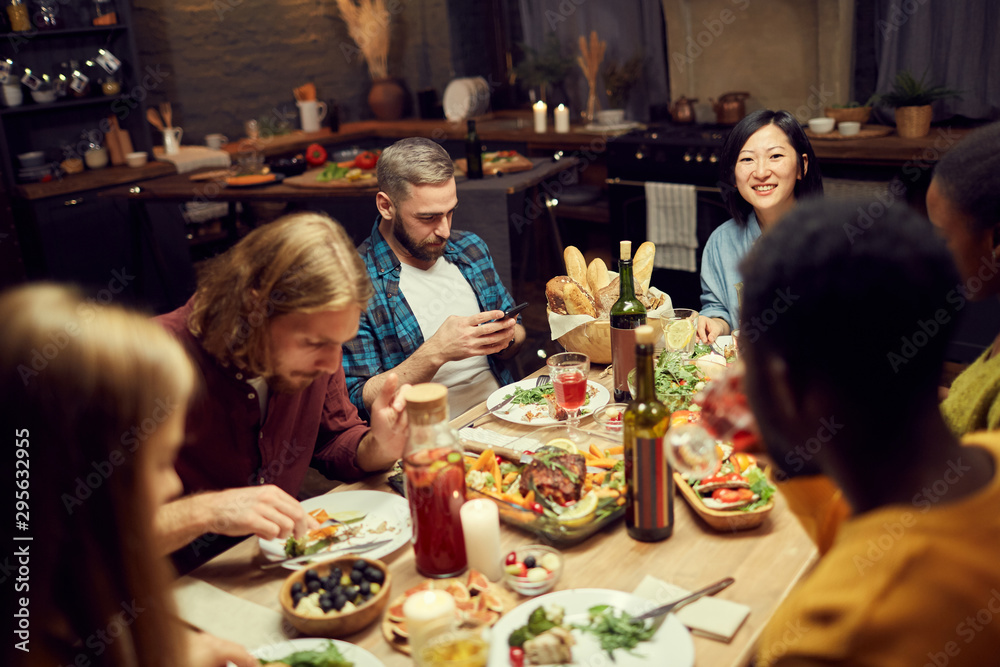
(511, 558)
(537, 508)
(366, 160)
(516, 656)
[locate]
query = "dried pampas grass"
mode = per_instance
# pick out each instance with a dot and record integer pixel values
(368, 25)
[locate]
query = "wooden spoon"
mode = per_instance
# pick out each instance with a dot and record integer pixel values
(154, 119)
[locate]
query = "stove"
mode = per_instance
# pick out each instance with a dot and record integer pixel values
(669, 153)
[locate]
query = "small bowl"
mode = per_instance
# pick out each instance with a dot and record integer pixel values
(529, 588)
(610, 416)
(137, 159)
(32, 159)
(821, 125)
(43, 96)
(336, 624)
(849, 128)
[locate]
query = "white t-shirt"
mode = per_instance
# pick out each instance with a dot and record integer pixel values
(434, 295)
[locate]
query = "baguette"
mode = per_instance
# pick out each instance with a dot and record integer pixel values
(597, 276)
(576, 267)
(642, 265)
(577, 301)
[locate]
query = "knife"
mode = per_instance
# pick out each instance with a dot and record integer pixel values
(708, 590)
(487, 412)
(325, 555)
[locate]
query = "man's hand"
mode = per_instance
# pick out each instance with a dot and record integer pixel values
(205, 650)
(710, 328)
(384, 444)
(475, 335)
(265, 511)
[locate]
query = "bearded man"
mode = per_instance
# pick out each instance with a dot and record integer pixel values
(438, 309)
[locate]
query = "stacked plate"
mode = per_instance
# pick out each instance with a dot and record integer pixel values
(466, 98)
(31, 174)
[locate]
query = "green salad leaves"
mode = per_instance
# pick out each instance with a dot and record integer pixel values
(327, 657)
(616, 629)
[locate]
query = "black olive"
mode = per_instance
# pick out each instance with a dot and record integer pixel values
(297, 587)
(297, 597)
(529, 562)
(311, 574)
(339, 601)
(313, 586)
(374, 575)
(365, 587)
(326, 603)
(357, 576)
(336, 573)
(368, 596)
(351, 592)
(360, 564)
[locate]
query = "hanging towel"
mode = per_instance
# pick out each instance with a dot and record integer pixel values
(671, 224)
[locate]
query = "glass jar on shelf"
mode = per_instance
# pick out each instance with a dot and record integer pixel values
(104, 12)
(17, 12)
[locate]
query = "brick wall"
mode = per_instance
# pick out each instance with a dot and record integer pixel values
(231, 60)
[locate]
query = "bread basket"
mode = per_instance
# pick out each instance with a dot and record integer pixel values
(592, 339)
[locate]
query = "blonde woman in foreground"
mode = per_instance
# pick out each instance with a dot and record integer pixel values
(94, 401)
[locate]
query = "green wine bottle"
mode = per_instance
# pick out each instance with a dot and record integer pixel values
(473, 152)
(627, 314)
(649, 504)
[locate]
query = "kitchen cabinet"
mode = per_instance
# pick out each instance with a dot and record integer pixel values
(52, 127)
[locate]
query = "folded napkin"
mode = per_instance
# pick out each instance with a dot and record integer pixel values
(672, 224)
(190, 158)
(486, 437)
(709, 617)
(224, 615)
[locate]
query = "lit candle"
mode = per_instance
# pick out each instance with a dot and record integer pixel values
(540, 116)
(481, 526)
(426, 614)
(562, 118)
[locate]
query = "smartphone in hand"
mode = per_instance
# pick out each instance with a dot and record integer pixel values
(515, 310)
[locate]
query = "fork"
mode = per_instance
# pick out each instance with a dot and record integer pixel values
(542, 379)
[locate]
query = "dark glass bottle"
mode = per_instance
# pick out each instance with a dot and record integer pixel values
(473, 152)
(627, 314)
(649, 504)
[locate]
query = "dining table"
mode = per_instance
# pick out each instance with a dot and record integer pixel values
(231, 595)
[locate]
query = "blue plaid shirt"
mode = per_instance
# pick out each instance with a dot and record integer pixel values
(389, 332)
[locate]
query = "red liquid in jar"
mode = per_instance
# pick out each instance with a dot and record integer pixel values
(435, 489)
(571, 390)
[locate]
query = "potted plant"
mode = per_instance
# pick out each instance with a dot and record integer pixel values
(852, 111)
(544, 66)
(912, 101)
(618, 83)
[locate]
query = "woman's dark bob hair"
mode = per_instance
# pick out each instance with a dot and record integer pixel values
(811, 183)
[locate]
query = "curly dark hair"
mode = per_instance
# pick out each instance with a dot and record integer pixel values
(811, 183)
(969, 176)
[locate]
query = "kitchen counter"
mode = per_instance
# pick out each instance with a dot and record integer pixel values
(93, 179)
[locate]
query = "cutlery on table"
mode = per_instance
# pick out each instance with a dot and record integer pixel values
(325, 555)
(708, 590)
(542, 379)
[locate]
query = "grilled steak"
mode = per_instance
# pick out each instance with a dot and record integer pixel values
(556, 474)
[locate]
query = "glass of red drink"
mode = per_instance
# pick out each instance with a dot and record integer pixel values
(435, 489)
(569, 371)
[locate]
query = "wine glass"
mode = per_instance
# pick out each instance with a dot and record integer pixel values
(569, 371)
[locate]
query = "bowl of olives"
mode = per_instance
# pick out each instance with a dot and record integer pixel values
(336, 598)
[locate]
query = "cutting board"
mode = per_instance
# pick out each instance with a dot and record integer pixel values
(308, 180)
(508, 166)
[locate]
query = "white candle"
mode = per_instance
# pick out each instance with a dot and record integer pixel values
(562, 118)
(541, 111)
(427, 613)
(481, 526)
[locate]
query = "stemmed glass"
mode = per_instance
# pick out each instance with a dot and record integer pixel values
(569, 372)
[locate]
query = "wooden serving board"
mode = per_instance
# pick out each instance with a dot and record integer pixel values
(867, 132)
(497, 591)
(724, 520)
(516, 163)
(308, 180)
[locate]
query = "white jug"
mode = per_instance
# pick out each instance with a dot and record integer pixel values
(311, 113)
(172, 140)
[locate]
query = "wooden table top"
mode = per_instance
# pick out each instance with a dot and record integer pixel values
(766, 563)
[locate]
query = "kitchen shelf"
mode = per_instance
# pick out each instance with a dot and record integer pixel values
(65, 104)
(63, 32)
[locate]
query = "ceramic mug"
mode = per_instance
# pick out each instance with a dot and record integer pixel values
(216, 141)
(172, 140)
(12, 95)
(311, 113)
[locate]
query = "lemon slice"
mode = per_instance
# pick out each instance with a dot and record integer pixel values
(563, 443)
(580, 513)
(679, 333)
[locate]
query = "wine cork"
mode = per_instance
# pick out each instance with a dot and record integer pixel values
(645, 335)
(426, 402)
(625, 250)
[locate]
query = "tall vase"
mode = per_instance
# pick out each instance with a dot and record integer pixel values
(387, 99)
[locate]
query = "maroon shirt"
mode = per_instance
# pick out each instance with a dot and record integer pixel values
(225, 445)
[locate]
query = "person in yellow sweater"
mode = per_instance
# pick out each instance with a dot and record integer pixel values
(963, 202)
(912, 577)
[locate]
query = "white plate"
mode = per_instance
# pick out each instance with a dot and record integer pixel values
(720, 344)
(384, 511)
(355, 654)
(671, 646)
(517, 413)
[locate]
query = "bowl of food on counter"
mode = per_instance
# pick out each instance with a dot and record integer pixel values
(337, 597)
